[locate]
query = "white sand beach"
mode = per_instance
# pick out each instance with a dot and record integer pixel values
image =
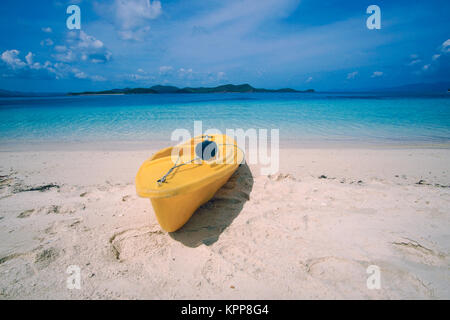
(309, 232)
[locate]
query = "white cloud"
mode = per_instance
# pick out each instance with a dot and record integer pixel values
(29, 58)
(100, 58)
(65, 56)
(376, 74)
(47, 30)
(132, 13)
(60, 48)
(10, 57)
(246, 10)
(309, 79)
(139, 77)
(47, 42)
(80, 74)
(82, 47)
(438, 59)
(169, 74)
(413, 62)
(352, 75)
(135, 35)
(164, 70)
(86, 41)
(97, 78)
(130, 17)
(445, 47)
(28, 68)
(65, 71)
(185, 73)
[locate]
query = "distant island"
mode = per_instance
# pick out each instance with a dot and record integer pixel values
(159, 89)
(408, 89)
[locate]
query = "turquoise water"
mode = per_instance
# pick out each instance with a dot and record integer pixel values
(328, 117)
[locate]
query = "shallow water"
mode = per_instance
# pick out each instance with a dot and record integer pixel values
(300, 117)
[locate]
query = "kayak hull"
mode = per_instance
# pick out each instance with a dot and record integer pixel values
(175, 201)
(172, 213)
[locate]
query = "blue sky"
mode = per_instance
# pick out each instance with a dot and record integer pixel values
(301, 44)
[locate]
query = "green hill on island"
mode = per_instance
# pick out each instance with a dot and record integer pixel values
(165, 89)
(232, 88)
(160, 89)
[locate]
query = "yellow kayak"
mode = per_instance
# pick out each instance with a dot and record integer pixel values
(180, 179)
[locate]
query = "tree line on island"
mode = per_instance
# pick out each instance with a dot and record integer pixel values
(158, 89)
(408, 89)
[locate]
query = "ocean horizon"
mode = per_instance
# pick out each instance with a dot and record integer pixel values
(302, 118)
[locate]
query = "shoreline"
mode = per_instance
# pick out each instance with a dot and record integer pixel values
(138, 145)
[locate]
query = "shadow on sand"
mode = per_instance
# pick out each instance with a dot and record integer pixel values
(212, 218)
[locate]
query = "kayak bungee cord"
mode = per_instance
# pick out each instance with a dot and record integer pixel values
(206, 145)
(163, 178)
(200, 156)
